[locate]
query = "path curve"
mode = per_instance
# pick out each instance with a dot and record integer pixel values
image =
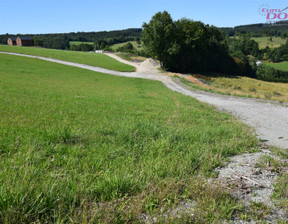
(270, 119)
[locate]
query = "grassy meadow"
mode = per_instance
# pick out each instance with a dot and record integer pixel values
(280, 65)
(246, 87)
(134, 43)
(78, 146)
(265, 41)
(94, 59)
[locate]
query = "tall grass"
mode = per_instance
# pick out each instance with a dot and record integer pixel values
(80, 146)
(247, 87)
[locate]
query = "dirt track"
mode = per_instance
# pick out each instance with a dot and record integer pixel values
(270, 119)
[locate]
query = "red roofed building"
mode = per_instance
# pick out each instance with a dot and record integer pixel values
(20, 41)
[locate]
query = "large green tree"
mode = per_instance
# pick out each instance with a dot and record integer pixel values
(185, 45)
(158, 36)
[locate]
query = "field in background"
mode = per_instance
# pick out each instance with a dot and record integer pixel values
(80, 42)
(94, 59)
(265, 41)
(80, 146)
(130, 57)
(137, 46)
(247, 87)
(280, 65)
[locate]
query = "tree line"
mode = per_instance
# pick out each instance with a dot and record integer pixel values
(279, 28)
(61, 41)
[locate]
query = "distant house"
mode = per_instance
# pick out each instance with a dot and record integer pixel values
(11, 41)
(20, 41)
(258, 63)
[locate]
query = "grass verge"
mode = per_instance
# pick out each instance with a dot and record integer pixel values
(244, 86)
(94, 59)
(80, 146)
(131, 57)
(280, 195)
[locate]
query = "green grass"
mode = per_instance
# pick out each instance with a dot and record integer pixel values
(280, 66)
(280, 165)
(134, 43)
(80, 42)
(80, 146)
(265, 41)
(94, 59)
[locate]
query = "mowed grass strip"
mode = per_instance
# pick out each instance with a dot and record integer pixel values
(80, 146)
(87, 58)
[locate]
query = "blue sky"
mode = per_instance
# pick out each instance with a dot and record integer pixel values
(59, 16)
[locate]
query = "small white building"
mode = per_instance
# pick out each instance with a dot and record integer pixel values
(258, 63)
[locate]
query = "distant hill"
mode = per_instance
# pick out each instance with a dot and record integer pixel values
(260, 29)
(60, 40)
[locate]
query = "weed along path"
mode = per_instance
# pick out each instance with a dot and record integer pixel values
(270, 119)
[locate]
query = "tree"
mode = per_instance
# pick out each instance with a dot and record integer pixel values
(185, 45)
(157, 36)
(38, 41)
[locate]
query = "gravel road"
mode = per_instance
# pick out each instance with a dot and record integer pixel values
(269, 119)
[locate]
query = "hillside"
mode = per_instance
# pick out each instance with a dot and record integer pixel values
(64, 40)
(76, 143)
(61, 40)
(275, 29)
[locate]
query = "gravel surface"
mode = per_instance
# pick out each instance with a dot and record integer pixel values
(270, 119)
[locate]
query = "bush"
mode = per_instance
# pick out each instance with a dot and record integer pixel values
(242, 65)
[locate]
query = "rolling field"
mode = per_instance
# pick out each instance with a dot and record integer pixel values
(82, 147)
(265, 41)
(94, 59)
(280, 66)
(134, 43)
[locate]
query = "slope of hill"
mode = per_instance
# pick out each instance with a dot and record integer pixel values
(79, 146)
